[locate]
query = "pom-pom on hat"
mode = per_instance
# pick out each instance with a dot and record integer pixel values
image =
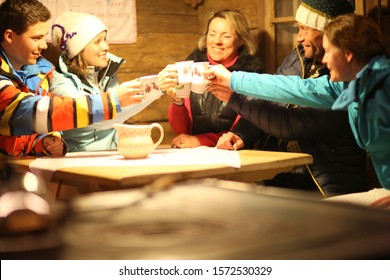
(72, 32)
(318, 13)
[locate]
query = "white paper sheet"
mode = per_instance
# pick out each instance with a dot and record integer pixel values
(45, 166)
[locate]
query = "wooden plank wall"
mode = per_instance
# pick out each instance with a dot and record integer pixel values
(168, 31)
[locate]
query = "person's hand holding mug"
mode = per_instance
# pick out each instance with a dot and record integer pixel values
(172, 93)
(167, 78)
(230, 141)
(219, 80)
(218, 75)
(167, 81)
(129, 93)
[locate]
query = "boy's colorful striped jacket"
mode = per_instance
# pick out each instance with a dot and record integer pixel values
(28, 108)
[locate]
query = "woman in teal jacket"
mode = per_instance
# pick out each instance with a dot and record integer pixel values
(359, 82)
(87, 68)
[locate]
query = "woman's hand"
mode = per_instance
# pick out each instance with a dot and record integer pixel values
(167, 78)
(53, 145)
(130, 92)
(218, 75)
(172, 93)
(230, 141)
(167, 82)
(185, 141)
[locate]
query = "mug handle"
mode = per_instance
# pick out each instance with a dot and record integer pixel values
(161, 133)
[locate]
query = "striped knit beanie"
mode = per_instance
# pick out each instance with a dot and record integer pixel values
(318, 13)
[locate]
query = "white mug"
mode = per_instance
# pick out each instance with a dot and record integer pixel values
(199, 82)
(184, 78)
(149, 87)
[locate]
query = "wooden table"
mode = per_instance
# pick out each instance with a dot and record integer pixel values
(255, 165)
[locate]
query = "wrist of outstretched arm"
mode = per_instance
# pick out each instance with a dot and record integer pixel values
(235, 79)
(37, 148)
(178, 102)
(117, 102)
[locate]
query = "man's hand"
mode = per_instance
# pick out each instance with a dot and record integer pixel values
(53, 145)
(221, 92)
(230, 141)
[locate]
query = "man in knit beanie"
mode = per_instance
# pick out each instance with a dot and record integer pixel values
(312, 16)
(317, 13)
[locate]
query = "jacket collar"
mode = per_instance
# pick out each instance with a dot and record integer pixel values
(371, 75)
(95, 75)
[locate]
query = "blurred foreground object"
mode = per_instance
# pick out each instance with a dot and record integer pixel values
(27, 221)
(216, 219)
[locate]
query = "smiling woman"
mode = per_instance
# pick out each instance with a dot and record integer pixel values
(222, 41)
(95, 53)
(201, 119)
(87, 68)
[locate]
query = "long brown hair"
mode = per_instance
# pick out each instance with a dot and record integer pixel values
(76, 65)
(357, 34)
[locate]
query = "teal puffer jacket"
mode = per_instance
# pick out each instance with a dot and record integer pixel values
(367, 100)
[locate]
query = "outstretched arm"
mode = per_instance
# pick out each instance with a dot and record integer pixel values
(24, 114)
(319, 92)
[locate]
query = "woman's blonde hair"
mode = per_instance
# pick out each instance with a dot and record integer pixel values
(238, 22)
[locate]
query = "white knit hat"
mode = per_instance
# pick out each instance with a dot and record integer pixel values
(318, 13)
(73, 31)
